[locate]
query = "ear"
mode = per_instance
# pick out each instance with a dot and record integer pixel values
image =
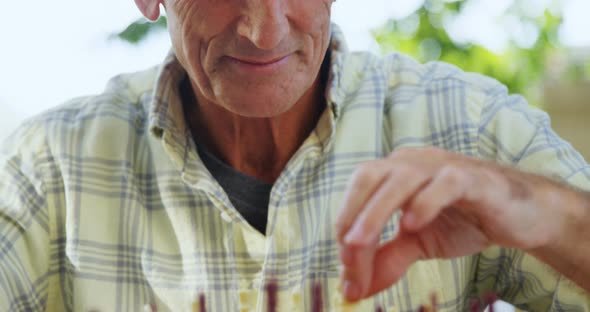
(149, 8)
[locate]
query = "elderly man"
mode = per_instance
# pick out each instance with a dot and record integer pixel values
(260, 150)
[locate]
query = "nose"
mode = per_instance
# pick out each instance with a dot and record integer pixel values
(264, 23)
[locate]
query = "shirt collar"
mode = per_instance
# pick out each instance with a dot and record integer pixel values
(334, 88)
(166, 111)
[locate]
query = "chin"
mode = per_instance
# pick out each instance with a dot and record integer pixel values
(259, 109)
(259, 104)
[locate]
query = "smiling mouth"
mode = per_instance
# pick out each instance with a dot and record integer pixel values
(269, 66)
(254, 62)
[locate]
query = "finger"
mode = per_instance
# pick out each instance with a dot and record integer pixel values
(392, 260)
(358, 263)
(365, 180)
(445, 189)
(400, 186)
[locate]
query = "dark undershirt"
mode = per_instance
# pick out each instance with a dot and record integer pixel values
(249, 195)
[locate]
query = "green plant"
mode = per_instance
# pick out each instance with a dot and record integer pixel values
(140, 29)
(424, 35)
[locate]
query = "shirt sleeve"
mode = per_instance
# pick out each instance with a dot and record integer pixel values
(513, 133)
(24, 228)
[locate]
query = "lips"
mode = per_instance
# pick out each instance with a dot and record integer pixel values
(259, 62)
(259, 66)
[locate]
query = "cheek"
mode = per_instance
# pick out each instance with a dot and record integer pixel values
(314, 11)
(194, 24)
(201, 20)
(187, 36)
(313, 18)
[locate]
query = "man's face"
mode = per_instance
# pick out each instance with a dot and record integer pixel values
(255, 58)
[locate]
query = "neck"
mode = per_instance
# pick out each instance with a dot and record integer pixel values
(258, 147)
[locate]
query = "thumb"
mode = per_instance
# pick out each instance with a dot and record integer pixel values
(393, 259)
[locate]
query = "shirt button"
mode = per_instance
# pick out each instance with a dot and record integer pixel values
(247, 299)
(226, 217)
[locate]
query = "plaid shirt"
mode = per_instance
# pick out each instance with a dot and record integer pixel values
(105, 204)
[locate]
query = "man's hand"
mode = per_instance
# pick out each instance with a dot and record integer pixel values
(452, 206)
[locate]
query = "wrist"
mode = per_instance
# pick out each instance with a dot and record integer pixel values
(566, 249)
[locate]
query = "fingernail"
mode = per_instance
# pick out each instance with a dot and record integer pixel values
(351, 291)
(355, 235)
(409, 219)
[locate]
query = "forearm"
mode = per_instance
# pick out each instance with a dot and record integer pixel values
(569, 252)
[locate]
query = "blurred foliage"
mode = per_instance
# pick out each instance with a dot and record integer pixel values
(140, 29)
(425, 35)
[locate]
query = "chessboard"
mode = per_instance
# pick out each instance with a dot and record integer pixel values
(338, 303)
